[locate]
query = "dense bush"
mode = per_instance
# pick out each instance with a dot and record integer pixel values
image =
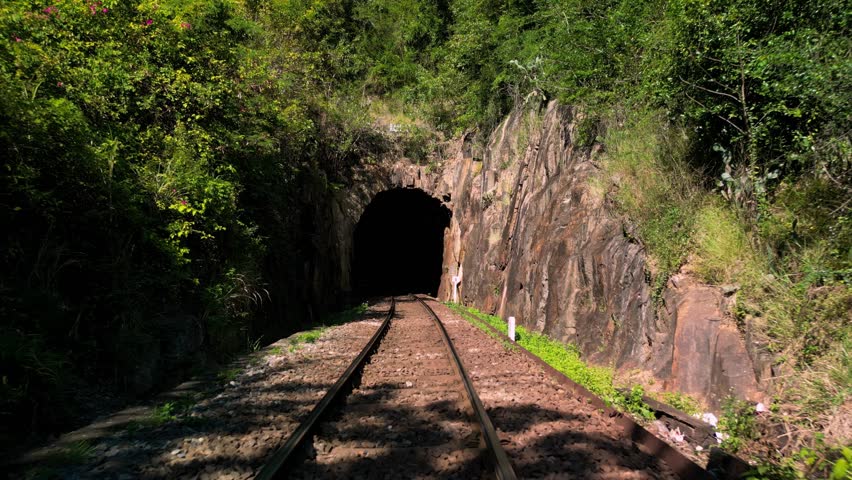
(150, 154)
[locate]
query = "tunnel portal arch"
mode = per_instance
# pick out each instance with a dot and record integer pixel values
(399, 244)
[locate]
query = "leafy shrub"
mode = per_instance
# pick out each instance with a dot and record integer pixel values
(737, 422)
(154, 149)
(682, 402)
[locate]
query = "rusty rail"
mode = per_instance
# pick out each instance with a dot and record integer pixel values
(497, 455)
(293, 450)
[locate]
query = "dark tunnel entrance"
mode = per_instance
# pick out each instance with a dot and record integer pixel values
(399, 244)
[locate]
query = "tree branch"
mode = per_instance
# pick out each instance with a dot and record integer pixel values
(723, 94)
(719, 116)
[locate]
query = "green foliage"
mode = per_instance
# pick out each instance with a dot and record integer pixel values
(842, 469)
(397, 37)
(633, 402)
(159, 156)
(723, 252)
(175, 411)
(682, 402)
(229, 374)
(737, 422)
(480, 324)
(652, 185)
(793, 289)
(764, 82)
(311, 336)
(417, 143)
(152, 155)
(164, 413)
(177, 408)
(819, 462)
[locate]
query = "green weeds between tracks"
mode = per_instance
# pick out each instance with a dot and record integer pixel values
(565, 358)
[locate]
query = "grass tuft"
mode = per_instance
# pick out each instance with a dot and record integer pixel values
(339, 318)
(681, 401)
(723, 253)
(642, 174)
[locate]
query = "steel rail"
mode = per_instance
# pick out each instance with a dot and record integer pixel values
(294, 449)
(682, 466)
(502, 466)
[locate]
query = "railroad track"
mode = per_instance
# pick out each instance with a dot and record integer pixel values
(405, 408)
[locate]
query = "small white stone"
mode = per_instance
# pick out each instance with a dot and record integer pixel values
(760, 408)
(699, 448)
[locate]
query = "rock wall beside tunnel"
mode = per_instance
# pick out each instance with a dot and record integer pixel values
(533, 237)
(538, 243)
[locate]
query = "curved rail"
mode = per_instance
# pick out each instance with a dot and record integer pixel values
(294, 449)
(502, 467)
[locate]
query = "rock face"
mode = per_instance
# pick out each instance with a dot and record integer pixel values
(537, 242)
(532, 237)
(709, 358)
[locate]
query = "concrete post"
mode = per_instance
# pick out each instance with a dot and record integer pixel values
(512, 328)
(456, 281)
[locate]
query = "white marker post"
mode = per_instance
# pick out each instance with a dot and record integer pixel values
(512, 328)
(456, 281)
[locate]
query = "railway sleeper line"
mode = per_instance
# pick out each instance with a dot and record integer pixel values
(405, 407)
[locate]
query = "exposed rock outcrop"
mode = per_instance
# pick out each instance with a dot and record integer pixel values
(709, 358)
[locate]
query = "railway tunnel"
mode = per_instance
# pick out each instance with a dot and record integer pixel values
(399, 244)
